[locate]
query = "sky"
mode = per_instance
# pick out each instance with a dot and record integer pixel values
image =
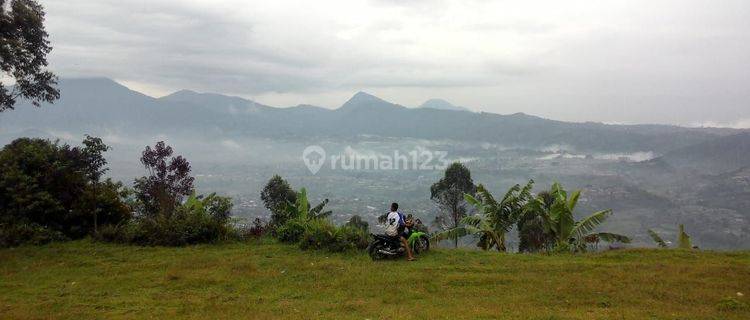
(683, 62)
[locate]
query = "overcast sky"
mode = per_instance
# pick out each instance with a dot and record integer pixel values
(682, 62)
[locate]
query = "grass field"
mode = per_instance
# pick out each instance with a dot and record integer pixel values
(83, 280)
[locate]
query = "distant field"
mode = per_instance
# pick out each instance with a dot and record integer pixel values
(83, 280)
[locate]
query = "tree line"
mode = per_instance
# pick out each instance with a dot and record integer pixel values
(51, 191)
(545, 221)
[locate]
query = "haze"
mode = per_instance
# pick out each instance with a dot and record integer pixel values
(677, 62)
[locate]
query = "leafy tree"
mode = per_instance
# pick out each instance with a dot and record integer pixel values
(571, 235)
(93, 154)
(494, 219)
(356, 222)
(23, 54)
(275, 195)
(48, 186)
(448, 194)
(167, 183)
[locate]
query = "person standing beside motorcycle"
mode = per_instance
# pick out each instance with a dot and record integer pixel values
(395, 226)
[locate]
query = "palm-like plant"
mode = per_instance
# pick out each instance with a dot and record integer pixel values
(473, 225)
(532, 236)
(683, 239)
(571, 235)
(300, 208)
(494, 219)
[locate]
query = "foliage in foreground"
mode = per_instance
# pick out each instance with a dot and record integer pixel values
(164, 217)
(310, 228)
(683, 239)
(549, 215)
(51, 191)
(23, 57)
(199, 220)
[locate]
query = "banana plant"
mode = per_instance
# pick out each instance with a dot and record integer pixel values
(569, 234)
(683, 239)
(477, 225)
(300, 208)
(494, 219)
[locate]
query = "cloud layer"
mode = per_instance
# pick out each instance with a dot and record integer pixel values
(672, 61)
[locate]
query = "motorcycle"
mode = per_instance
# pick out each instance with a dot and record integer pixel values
(384, 246)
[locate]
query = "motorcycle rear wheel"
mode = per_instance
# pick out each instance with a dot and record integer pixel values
(374, 251)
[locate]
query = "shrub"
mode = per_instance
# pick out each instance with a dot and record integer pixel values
(291, 231)
(12, 235)
(258, 229)
(318, 234)
(321, 234)
(350, 238)
(199, 220)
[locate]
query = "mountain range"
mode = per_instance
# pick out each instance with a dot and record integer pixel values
(94, 105)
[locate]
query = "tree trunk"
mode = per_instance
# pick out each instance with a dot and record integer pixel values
(96, 218)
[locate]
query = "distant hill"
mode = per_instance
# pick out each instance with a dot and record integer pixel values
(722, 154)
(97, 105)
(441, 104)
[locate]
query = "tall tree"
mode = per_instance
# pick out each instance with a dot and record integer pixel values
(448, 194)
(275, 195)
(23, 54)
(93, 155)
(167, 183)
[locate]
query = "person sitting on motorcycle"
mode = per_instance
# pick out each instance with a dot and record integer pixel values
(395, 226)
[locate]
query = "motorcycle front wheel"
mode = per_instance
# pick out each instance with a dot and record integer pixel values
(421, 245)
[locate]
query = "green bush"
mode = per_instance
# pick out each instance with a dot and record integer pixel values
(291, 231)
(321, 234)
(318, 234)
(199, 220)
(350, 238)
(12, 235)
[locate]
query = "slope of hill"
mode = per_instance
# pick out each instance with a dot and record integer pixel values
(715, 156)
(97, 105)
(267, 280)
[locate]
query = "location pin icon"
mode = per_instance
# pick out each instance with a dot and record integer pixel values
(314, 157)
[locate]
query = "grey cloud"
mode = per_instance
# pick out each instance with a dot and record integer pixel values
(678, 62)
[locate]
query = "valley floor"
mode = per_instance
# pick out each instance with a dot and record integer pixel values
(83, 280)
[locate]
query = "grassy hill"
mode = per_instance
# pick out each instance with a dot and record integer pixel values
(268, 280)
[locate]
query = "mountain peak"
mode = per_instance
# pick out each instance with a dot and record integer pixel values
(363, 100)
(441, 104)
(362, 96)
